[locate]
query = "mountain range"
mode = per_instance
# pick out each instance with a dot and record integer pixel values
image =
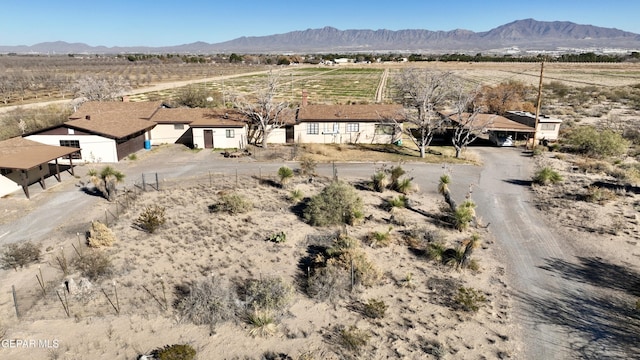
(528, 34)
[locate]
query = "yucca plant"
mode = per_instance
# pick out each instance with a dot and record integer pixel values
(380, 181)
(404, 186)
(106, 180)
(462, 217)
(546, 176)
(286, 174)
(262, 322)
(296, 195)
(443, 185)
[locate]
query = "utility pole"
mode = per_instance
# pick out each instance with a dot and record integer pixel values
(535, 126)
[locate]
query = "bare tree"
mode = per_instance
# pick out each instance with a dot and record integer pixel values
(100, 89)
(265, 114)
(466, 123)
(422, 93)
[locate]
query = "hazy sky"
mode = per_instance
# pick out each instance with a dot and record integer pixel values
(166, 23)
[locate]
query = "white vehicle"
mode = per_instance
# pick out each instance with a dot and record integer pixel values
(501, 140)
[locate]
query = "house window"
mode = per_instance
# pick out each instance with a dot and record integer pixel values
(331, 128)
(549, 127)
(384, 129)
(353, 127)
(313, 128)
(73, 144)
(230, 133)
(178, 126)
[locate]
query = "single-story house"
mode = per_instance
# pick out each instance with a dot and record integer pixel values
(24, 162)
(219, 129)
(498, 127)
(548, 127)
(368, 124)
(105, 131)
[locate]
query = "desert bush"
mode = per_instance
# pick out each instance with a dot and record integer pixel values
(18, 255)
(599, 195)
(100, 235)
(338, 203)
(268, 294)
(396, 202)
(285, 174)
(469, 299)
(592, 142)
(592, 166)
(93, 265)
(174, 352)
(231, 203)
(464, 215)
(206, 302)
(404, 186)
(375, 309)
(443, 184)
(151, 218)
(296, 195)
(328, 283)
(278, 237)
(353, 339)
(546, 176)
(379, 181)
(308, 166)
(262, 322)
(380, 238)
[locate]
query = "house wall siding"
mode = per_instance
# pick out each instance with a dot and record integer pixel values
(94, 148)
(7, 185)
(167, 134)
(220, 140)
(365, 134)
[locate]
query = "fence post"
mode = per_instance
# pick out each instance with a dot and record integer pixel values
(144, 184)
(15, 300)
(157, 183)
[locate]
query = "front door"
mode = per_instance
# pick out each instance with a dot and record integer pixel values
(208, 139)
(289, 134)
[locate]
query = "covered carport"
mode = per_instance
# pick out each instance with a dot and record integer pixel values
(26, 162)
(498, 128)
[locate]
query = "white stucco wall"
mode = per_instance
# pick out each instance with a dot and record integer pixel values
(331, 134)
(548, 134)
(277, 136)
(94, 148)
(220, 139)
(167, 133)
(7, 186)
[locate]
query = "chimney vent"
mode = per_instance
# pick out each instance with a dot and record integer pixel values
(88, 117)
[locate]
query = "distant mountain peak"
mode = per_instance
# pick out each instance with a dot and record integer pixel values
(526, 34)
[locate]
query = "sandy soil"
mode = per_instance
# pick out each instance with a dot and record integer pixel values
(421, 322)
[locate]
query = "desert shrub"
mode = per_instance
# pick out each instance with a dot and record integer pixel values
(592, 166)
(352, 339)
(596, 143)
(328, 283)
(262, 323)
(379, 238)
(338, 203)
(546, 176)
(296, 195)
(151, 218)
(404, 186)
(375, 309)
(231, 203)
(269, 294)
(559, 89)
(599, 195)
(379, 181)
(464, 215)
(174, 352)
(435, 251)
(206, 302)
(285, 174)
(443, 184)
(396, 202)
(18, 255)
(93, 265)
(308, 166)
(469, 299)
(100, 235)
(278, 237)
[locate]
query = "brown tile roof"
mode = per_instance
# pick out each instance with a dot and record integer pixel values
(359, 113)
(23, 154)
(200, 117)
(114, 119)
(493, 122)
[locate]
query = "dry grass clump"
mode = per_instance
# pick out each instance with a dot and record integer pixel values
(18, 255)
(546, 176)
(375, 309)
(269, 294)
(209, 301)
(174, 352)
(599, 195)
(93, 264)
(469, 299)
(380, 238)
(100, 235)
(232, 203)
(352, 339)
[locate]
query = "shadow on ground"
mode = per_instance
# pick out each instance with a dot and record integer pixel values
(603, 316)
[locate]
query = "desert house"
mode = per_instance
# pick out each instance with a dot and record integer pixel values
(341, 124)
(200, 128)
(548, 127)
(105, 131)
(24, 162)
(500, 130)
